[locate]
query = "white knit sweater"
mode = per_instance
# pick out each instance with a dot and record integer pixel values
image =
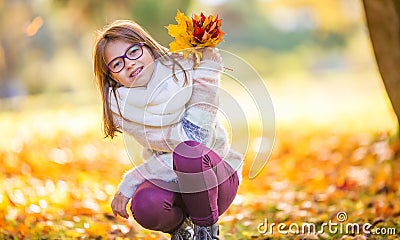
(198, 122)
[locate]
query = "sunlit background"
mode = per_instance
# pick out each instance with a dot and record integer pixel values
(333, 117)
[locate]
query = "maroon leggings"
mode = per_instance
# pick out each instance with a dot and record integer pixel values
(207, 187)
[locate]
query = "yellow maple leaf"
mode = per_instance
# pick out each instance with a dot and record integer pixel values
(196, 32)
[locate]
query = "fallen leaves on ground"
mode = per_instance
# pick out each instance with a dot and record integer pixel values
(57, 183)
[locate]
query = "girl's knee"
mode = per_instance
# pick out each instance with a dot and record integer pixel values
(192, 157)
(185, 153)
(147, 208)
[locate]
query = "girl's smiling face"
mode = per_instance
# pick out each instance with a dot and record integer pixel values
(136, 73)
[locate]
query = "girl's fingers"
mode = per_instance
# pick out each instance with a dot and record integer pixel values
(115, 211)
(122, 210)
(124, 214)
(118, 205)
(124, 202)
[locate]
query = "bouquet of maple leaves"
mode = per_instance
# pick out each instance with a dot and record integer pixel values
(193, 33)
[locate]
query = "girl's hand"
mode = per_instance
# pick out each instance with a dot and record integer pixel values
(211, 53)
(118, 205)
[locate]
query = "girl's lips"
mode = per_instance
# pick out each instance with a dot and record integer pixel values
(135, 73)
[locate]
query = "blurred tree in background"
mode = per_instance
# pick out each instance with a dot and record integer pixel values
(383, 18)
(12, 44)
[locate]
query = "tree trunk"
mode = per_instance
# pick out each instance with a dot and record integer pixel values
(383, 20)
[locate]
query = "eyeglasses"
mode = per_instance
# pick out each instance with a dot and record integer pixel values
(133, 52)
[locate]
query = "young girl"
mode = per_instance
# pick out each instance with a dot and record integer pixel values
(190, 175)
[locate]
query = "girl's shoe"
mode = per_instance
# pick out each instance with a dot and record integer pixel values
(206, 233)
(184, 232)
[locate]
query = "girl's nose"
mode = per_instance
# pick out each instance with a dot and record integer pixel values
(129, 63)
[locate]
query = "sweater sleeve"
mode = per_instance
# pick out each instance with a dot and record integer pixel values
(200, 117)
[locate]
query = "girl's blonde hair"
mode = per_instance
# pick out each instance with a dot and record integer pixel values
(131, 32)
